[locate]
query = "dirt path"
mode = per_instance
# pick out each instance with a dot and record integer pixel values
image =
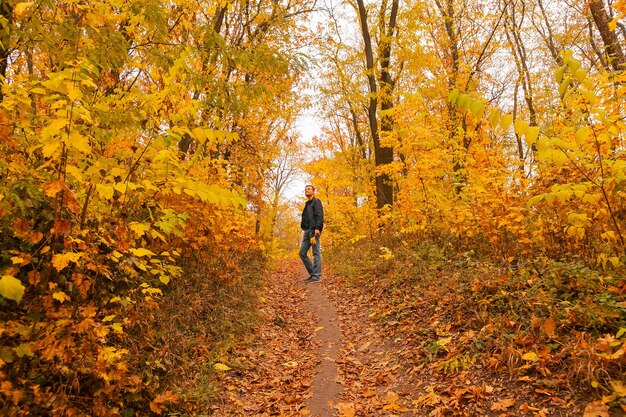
(325, 388)
(338, 349)
(288, 366)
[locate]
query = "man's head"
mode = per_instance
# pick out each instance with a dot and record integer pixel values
(309, 191)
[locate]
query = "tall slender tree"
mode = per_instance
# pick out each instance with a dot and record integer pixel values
(380, 91)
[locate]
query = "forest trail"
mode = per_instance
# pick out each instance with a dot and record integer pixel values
(289, 366)
(328, 340)
(315, 352)
(339, 349)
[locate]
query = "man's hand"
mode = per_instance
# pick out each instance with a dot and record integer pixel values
(317, 232)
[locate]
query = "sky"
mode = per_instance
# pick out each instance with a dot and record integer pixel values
(308, 126)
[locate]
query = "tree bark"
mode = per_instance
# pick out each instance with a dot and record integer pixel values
(447, 12)
(357, 133)
(382, 155)
(595, 48)
(384, 182)
(609, 38)
(6, 13)
(519, 54)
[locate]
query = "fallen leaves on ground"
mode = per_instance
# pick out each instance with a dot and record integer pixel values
(272, 373)
(411, 354)
(404, 354)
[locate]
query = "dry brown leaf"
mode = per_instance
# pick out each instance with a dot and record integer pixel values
(345, 409)
(527, 408)
(503, 405)
(596, 409)
(159, 403)
(51, 188)
(549, 326)
(619, 388)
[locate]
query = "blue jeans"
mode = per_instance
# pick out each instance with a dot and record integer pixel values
(314, 269)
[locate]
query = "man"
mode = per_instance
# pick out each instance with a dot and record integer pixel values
(312, 224)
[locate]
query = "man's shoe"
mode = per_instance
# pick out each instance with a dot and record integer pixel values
(311, 280)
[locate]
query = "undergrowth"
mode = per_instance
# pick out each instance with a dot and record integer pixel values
(556, 322)
(200, 320)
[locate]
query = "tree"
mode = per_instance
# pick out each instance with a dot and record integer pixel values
(612, 46)
(6, 23)
(380, 89)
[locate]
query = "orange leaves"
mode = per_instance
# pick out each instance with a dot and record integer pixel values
(612, 347)
(61, 227)
(161, 401)
(280, 363)
(21, 259)
(52, 188)
(61, 297)
(596, 409)
(69, 200)
(503, 404)
(391, 402)
(61, 260)
(549, 326)
(97, 201)
(21, 227)
(507, 323)
(345, 409)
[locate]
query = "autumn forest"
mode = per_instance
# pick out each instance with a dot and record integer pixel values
(470, 157)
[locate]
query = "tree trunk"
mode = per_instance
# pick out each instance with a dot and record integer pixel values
(609, 38)
(518, 50)
(6, 13)
(357, 133)
(382, 156)
(383, 182)
(447, 12)
(595, 47)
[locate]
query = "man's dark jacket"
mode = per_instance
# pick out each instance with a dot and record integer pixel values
(312, 215)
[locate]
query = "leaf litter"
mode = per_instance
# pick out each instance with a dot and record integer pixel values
(402, 355)
(272, 372)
